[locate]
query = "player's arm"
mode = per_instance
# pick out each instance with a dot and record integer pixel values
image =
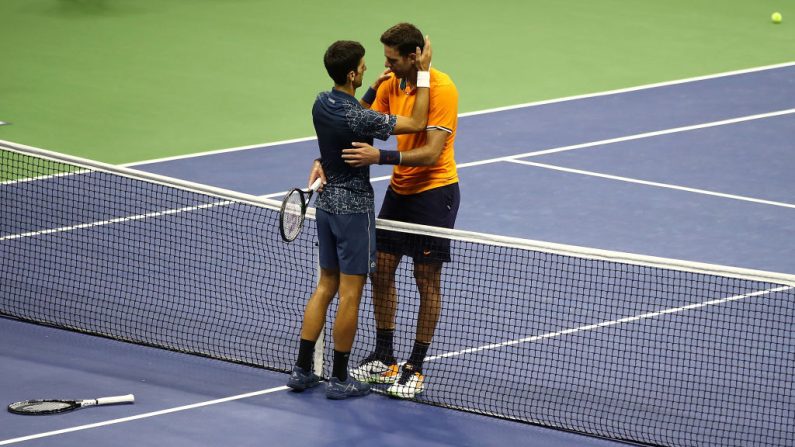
(419, 113)
(363, 154)
(427, 154)
(317, 173)
(369, 97)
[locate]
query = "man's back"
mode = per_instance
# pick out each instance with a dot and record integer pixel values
(339, 120)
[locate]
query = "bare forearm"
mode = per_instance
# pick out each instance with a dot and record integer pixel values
(419, 113)
(421, 156)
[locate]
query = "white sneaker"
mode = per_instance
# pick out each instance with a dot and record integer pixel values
(372, 370)
(408, 385)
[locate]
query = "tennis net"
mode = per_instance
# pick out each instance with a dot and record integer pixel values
(628, 347)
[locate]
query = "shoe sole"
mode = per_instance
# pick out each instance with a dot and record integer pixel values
(341, 396)
(374, 378)
(400, 395)
(302, 387)
(344, 396)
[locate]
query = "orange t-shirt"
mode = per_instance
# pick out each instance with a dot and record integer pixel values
(442, 116)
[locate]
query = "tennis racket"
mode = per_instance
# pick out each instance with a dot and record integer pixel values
(53, 406)
(293, 211)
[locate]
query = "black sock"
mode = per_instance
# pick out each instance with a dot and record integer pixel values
(383, 345)
(418, 355)
(340, 368)
(305, 353)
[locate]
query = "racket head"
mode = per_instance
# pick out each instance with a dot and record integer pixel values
(292, 214)
(43, 406)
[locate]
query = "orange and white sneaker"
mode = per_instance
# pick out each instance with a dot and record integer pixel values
(374, 370)
(408, 385)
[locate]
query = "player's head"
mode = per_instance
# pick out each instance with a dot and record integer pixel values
(344, 61)
(400, 43)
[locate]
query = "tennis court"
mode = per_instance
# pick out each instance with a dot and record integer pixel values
(656, 310)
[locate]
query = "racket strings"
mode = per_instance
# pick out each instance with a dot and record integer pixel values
(39, 407)
(293, 215)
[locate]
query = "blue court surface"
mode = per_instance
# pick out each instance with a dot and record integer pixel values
(698, 170)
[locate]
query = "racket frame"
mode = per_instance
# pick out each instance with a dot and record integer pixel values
(305, 196)
(70, 404)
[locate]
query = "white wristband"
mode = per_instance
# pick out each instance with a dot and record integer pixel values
(424, 79)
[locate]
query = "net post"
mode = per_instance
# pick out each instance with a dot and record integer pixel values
(320, 344)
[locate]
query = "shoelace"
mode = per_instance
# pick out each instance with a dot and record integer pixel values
(405, 375)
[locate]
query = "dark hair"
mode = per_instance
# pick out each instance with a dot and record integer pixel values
(341, 58)
(405, 37)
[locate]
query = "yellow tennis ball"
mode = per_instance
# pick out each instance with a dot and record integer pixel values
(776, 17)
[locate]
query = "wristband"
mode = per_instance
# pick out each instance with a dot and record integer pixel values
(369, 96)
(389, 157)
(424, 79)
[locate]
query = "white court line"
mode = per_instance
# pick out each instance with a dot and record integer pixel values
(493, 110)
(144, 415)
(631, 89)
(592, 144)
(639, 136)
(531, 339)
(116, 220)
(657, 184)
(590, 327)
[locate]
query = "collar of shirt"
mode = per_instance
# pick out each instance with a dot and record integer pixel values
(339, 94)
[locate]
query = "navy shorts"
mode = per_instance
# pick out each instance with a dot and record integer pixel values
(347, 242)
(436, 207)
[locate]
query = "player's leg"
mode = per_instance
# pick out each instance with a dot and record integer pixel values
(315, 311)
(302, 376)
(345, 323)
(428, 279)
(347, 318)
(380, 366)
(437, 207)
(410, 381)
(355, 249)
(385, 297)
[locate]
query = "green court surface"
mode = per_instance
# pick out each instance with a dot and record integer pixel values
(130, 80)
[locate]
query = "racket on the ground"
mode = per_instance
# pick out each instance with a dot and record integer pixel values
(293, 211)
(52, 406)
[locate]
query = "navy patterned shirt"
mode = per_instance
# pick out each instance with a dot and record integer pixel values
(339, 121)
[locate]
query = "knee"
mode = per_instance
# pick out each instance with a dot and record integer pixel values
(349, 299)
(426, 276)
(381, 279)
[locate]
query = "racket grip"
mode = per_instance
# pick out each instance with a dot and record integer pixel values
(315, 185)
(129, 398)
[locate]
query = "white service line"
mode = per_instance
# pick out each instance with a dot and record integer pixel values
(493, 110)
(657, 184)
(590, 327)
(638, 136)
(116, 220)
(591, 144)
(143, 416)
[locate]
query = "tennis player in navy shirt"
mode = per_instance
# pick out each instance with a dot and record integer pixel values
(346, 208)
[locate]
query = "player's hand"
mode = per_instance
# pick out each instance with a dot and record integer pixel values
(422, 59)
(317, 173)
(386, 74)
(362, 154)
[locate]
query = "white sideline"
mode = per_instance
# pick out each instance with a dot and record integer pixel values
(143, 416)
